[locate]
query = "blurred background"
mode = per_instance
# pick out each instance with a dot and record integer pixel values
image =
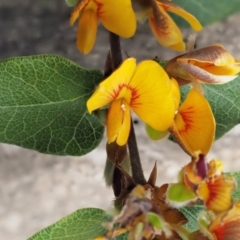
(36, 189)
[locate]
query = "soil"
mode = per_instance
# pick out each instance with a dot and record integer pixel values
(36, 189)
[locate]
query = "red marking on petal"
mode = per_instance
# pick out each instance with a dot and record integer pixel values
(187, 118)
(228, 230)
(99, 7)
(134, 92)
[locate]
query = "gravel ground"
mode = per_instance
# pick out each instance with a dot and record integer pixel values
(38, 189)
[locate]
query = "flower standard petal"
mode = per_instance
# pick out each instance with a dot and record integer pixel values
(87, 30)
(152, 98)
(165, 30)
(110, 89)
(118, 17)
(217, 193)
(171, 7)
(194, 125)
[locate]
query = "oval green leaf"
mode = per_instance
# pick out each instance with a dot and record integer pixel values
(43, 105)
(84, 224)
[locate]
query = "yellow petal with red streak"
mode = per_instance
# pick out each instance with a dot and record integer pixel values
(194, 124)
(110, 89)
(152, 98)
(217, 193)
(87, 31)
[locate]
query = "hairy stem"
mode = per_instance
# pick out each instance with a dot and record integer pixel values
(137, 171)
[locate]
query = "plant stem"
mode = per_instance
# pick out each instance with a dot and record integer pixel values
(116, 53)
(137, 171)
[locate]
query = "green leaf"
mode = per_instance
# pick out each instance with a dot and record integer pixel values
(236, 192)
(83, 224)
(43, 105)
(206, 11)
(225, 103)
(71, 3)
(192, 213)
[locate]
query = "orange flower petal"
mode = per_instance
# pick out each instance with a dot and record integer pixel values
(152, 98)
(178, 47)
(118, 17)
(197, 73)
(118, 122)
(226, 226)
(87, 30)
(165, 30)
(110, 89)
(194, 125)
(223, 70)
(217, 193)
(171, 7)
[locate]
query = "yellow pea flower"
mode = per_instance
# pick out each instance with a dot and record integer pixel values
(117, 16)
(212, 65)
(163, 27)
(193, 126)
(209, 183)
(145, 88)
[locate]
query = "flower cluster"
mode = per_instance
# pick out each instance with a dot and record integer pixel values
(153, 93)
(207, 183)
(118, 16)
(153, 212)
